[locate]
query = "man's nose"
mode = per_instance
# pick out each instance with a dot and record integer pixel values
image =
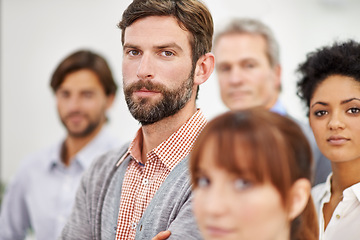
(145, 69)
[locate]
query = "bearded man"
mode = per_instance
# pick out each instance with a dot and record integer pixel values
(144, 188)
(41, 194)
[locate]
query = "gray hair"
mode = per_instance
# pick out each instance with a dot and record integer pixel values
(256, 27)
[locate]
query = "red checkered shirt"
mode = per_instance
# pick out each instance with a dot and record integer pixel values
(143, 180)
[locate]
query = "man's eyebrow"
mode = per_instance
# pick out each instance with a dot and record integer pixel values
(169, 45)
(130, 46)
(158, 47)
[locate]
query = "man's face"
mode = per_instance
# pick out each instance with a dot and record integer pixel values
(245, 75)
(157, 68)
(82, 102)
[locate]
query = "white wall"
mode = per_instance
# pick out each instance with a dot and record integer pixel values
(37, 34)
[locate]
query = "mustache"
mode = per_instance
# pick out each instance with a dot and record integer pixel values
(74, 114)
(145, 84)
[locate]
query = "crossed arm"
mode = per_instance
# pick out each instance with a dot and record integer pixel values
(162, 235)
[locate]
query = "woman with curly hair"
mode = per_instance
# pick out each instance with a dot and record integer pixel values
(330, 87)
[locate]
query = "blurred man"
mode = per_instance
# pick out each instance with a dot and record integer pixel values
(42, 193)
(249, 72)
(144, 188)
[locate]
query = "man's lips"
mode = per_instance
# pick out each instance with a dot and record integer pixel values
(239, 93)
(337, 140)
(145, 92)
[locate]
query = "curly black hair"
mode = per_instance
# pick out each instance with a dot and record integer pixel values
(342, 58)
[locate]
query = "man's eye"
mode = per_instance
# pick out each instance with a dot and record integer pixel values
(63, 94)
(223, 69)
(249, 65)
(167, 53)
(88, 94)
(133, 52)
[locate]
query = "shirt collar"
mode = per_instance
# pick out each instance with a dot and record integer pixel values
(177, 146)
(325, 191)
(325, 194)
(279, 108)
(55, 158)
(353, 190)
(84, 157)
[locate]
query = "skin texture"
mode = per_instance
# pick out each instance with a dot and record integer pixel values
(228, 206)
(245, 76)
(81, 103)
(164, 75)
(335, 120)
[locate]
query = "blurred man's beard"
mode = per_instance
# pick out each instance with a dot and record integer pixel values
(89, 128)
(172, 101)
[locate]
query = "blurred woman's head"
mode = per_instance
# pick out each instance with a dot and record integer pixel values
(251, 172)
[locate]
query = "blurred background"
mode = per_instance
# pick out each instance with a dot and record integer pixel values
(37, 34)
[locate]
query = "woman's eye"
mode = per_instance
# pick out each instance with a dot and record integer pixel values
(202, 182)
(353, 110)
(320, 113)
(242, 184)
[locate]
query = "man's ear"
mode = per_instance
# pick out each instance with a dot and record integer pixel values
(299, 197)
(277, 75)
(204, 68)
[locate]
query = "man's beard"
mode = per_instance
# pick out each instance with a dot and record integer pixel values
(89, 128)
(172, 100)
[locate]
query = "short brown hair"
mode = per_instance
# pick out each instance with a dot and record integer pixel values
(85, 59)
(192, 15)
(267, 146)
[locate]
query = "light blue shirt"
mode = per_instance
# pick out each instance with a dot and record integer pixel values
(279, 108)
(42, 193)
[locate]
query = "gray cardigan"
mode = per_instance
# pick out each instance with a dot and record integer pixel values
(96, 208)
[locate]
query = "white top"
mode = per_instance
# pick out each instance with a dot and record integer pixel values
(345, 221)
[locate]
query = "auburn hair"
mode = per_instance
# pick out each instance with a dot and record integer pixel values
(269, 148)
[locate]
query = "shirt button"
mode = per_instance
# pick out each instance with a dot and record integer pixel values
(337, 216)
(145, 181)
(134, 226)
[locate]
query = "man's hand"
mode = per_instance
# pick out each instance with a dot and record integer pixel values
(162, 235)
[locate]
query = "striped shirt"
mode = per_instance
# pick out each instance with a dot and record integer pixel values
(143, 180)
